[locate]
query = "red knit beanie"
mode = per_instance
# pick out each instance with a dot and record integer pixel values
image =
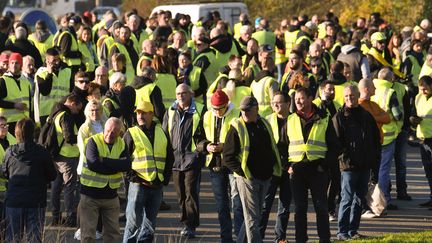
(219, 98)
(17, 57)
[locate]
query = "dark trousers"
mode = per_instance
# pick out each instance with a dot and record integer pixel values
(24, 224)
(334, 187)
(186, 185)
(308, 176)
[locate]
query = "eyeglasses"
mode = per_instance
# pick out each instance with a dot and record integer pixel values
(218, 108)
(4, 126)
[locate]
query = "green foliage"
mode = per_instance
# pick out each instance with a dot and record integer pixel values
(399, 13)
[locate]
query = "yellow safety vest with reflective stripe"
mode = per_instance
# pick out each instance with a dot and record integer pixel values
(212, 71)
(382, 96)
(67, 150)
(272, 119)
(221, 59)
(239, 125)
(195, 121)
(415, 70)
(42, 46)
(143, 93)
(167, 83)
(315, 146)
(290, 41)
(424, 110)
(210, 125)
(378, 56)
(59, 89)
(73, 47)
(137, 42)
(2, 180)
(149, 160)
(130, 71)
(142, 58)
(15, 94)
(400, 90)
(87, 57)
(425, 70)
(93, 179)
(261, 91)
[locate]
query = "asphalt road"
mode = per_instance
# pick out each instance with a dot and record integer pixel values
(409, 217)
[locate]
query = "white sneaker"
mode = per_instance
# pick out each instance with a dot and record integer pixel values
(77, 235)
(369, 215)
(98, 235)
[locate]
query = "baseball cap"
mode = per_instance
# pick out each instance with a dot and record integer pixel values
(247, 103)
(378, 36)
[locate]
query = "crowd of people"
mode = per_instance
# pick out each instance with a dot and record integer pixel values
(134, 102)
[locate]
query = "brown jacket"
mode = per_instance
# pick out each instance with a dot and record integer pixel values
(381, 117)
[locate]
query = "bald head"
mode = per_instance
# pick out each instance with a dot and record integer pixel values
(315, 50)
(215, 32)
(386, 74)
(366, 88)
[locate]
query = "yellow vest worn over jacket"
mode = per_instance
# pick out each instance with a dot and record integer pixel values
(290, 41)
(149, 160)
(93, 179)
(315, 146)
(212, 71)
(213, 87)
(59, 89)
(74, 47)
(67, 150)
(425, 70)
(16, 94)
(209, 124)
(42, 46)
(415, 70)
(130, 71)
(261, 91)
(382, 96)
(87, 57)
(143, 93)
(239, 125)
(142, 58)
(167, 84)
(424, 110)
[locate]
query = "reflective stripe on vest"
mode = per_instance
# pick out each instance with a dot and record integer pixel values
(93, 179)
(67, 150)
(382, 97)
(149, 160)
(315, 147)
(242, 132)
(261, 91)
(59, 89)
(209, 124)
(16, 94)
(195, 122)
(73, 47)
(167, 84)
(424, 110)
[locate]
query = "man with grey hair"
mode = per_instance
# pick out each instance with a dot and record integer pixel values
(183, 123)
(28, 71)
(101, 78)
(138, 35)
(111, 103)
(244, 36)
(106, 158)
(360, 139)
(146, 90)
(386, 97)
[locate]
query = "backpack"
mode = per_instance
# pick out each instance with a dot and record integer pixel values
(48, 136)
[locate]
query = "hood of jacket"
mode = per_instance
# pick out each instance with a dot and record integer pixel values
(222, 43)
(41, 36)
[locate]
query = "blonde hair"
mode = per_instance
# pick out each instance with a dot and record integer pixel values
(92, 104)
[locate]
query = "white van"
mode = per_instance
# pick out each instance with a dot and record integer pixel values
(230, 11)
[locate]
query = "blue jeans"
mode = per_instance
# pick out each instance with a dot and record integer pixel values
(142, 202)
(426, 157)
(236, 205)
(283, 183)
(387, 154)
(220, 186)
(400, 162)
(354, 186)
(24, 224)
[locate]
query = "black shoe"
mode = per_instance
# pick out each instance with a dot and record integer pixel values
(392, 207)
(427, 204)
(404, 197)
(164, 206)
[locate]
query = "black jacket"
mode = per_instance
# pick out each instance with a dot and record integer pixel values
(155, 96)
(67, 122)
(25, 47)
(28, 168)
(359, 137)
(261, 157)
